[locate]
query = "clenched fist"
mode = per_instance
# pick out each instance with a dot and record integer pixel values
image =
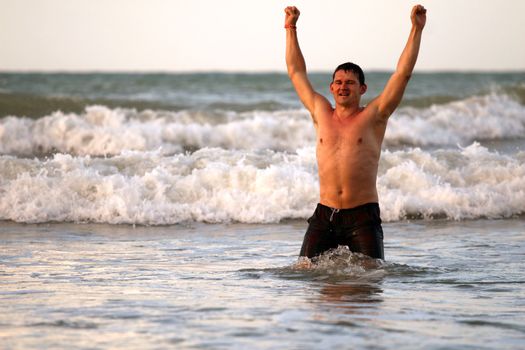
(292, 15)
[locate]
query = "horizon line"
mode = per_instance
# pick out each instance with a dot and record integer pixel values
(241, 71)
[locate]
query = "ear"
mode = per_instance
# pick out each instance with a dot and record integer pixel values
(331, 85)
(363, 88)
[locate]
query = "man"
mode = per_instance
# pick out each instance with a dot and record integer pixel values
(349, 139)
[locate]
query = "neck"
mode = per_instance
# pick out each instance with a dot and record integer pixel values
(344, 112)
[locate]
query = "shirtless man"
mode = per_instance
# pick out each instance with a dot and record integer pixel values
(349, 139)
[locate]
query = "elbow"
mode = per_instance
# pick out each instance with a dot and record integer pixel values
(292, 71)
(295, 68)
(404, 76)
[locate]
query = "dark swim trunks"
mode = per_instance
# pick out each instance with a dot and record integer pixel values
(358, 228)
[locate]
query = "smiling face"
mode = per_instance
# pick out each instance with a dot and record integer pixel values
(346, 88)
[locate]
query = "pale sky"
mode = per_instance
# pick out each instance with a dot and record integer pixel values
(248, 35)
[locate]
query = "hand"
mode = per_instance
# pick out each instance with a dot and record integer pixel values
(292, 15)
(418, 16)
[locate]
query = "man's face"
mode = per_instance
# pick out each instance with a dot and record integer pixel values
(346, 88)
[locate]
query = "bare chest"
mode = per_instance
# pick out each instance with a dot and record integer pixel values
(346, 136)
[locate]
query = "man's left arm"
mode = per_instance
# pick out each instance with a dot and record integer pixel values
(393, 92)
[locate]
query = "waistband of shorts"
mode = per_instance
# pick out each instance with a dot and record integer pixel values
(366, 206)
(365, 213)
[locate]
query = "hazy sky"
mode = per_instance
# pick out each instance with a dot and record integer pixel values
(248, 35)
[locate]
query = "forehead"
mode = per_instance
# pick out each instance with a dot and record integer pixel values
(345, 75)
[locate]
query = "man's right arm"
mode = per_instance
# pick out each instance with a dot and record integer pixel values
(296, 64)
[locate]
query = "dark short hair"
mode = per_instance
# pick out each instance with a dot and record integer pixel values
(349, 66)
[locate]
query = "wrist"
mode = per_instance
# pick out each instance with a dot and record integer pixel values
(417, 28)
(290, 26)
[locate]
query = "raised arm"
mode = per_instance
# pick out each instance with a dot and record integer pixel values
(391, 96)
(295, 62)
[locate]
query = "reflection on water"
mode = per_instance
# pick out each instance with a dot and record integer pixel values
(351, 295)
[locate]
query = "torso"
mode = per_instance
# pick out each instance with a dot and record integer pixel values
(348, 151)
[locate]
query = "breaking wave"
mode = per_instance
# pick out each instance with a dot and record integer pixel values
(258, 186)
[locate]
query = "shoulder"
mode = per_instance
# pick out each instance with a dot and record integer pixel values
(373, 110)
(322, 103)
(322, 108)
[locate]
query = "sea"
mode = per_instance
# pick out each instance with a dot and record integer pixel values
(167, 210)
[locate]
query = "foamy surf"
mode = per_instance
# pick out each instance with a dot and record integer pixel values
(340, 262)
(103, 131)
(486, 117)
(465, 183)
(219, 186)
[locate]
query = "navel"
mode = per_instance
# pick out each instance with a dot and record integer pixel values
(360, 140)
(321, 140)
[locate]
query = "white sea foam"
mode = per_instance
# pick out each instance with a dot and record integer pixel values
(104, 131)
(341, 261)
(488, 117)
(211, 185)
(468, 183)
(217, 185)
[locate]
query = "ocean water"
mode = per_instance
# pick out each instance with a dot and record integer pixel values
(166, 211)
(444, 285)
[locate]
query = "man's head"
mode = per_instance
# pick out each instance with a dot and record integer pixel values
(352, 67)
(348, 84)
